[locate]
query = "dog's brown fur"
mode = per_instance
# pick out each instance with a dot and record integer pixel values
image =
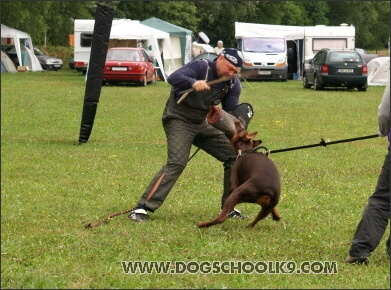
(254, 179)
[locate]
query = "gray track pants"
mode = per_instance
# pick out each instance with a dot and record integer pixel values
(375, 218)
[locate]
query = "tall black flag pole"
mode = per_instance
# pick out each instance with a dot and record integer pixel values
(100, 41)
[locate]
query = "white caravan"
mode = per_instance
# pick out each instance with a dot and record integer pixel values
(123, 33)
(321, 36)
(84, 30)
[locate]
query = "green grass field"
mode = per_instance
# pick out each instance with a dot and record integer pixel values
(51, 187)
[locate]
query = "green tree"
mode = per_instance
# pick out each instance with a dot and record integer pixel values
(370, 18)
(217, 19)
(51, 22)
(180, 13)
(47, 22)
(314, 13)
(31, 17)
(62, 15)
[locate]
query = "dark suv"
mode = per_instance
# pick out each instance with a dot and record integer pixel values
(336, 68)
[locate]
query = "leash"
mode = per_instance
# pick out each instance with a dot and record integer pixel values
(321, 143)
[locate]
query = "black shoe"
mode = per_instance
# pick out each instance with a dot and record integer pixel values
(235, 214)
(138, 215)
(357, 260)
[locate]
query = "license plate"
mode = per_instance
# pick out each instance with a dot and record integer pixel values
(57, 65)
(345, 70)
(116, 68)
(264, 72)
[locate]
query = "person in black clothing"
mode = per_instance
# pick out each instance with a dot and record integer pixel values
(376, 216)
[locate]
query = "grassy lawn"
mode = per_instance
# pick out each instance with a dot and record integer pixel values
(51, 188)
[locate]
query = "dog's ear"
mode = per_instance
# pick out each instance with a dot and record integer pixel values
(251, 135)
(256, 143)
(238, 126)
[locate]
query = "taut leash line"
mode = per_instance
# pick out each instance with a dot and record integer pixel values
(321, 143)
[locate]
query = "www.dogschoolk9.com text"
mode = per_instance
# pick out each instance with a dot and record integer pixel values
(229, 267)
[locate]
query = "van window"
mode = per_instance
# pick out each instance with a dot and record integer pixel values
(258, 44)
(86, 39)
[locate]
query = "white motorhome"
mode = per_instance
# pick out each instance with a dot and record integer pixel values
(302, 42)
(263, 51)
(266, 54)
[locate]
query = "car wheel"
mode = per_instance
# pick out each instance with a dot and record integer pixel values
(144, 82)
(362, 89)
(317, 87)
(153, 79)
(305, 84)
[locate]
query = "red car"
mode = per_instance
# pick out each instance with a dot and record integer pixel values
(129, 64)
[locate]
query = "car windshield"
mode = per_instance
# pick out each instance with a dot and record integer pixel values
(345, 57)
(261, 44)
(37, 51)
(125, 54)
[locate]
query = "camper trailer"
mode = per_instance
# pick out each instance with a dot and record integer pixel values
(84, 30)
(321, 36)
(123, 33)
(301, 44)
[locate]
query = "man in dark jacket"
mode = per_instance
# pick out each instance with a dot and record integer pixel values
(184, 122)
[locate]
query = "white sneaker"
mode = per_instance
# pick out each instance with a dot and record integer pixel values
(138, 215)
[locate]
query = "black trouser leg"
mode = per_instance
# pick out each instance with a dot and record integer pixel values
(375, 217)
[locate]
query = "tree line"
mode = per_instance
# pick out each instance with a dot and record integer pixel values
(50, 22)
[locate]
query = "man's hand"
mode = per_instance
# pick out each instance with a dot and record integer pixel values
(200, 85)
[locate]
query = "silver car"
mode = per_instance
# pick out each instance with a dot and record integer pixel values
(48, 62)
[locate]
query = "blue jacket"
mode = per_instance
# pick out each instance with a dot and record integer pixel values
(184, 77)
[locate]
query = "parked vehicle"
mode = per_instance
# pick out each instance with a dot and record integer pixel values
(360, 50)
(336, 68)
(124, 33)
(268, 55)
(367, 56)
(48, 62)
(302, 43)
(207, 55)
(71, 63)
(129, 64)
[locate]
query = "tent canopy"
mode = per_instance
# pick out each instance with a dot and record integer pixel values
(6, 63)
(132, 29)
(180, 39)
(17, 36)
(379, 71)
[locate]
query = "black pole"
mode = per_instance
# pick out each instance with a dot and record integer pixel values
(100, 41)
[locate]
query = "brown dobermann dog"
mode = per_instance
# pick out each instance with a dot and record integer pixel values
(254, 179)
